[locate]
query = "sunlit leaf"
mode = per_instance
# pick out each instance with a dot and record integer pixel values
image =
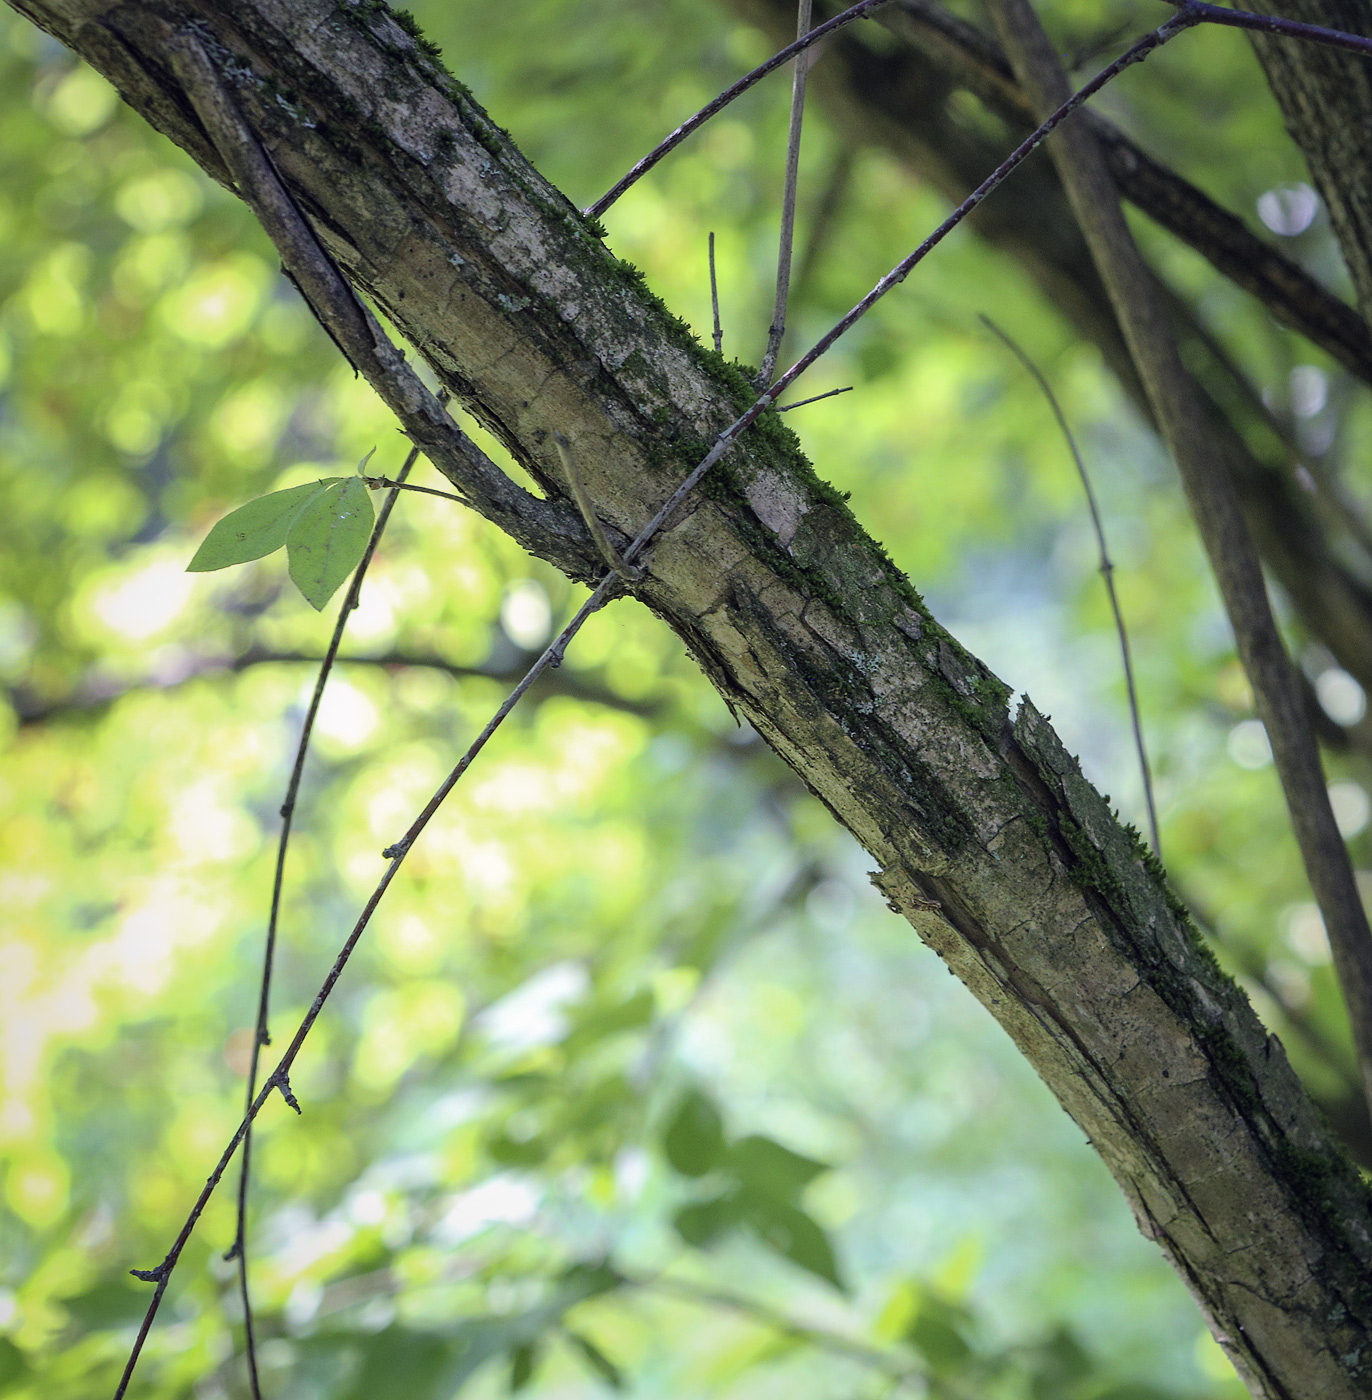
(327, 539)
(694, 1139)
(256, 529)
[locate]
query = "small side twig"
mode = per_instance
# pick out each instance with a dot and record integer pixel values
(714, 300)
(378, 483)
(828, 394)
(583, 503)
(718, 104)
(777, 330)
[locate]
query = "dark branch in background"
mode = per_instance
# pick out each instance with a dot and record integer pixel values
(284, 223)
(898, 98)
(1215, 506)
(718, 104)
(562, 682)
(261, 1037)
(776, 332)
(1107, 573)
(976, 61)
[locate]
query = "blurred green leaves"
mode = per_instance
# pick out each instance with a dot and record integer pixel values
(757, 1184)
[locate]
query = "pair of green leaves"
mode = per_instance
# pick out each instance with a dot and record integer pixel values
(325, 526)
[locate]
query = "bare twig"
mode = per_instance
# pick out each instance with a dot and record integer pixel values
(285, 221)
(583, 504)
(1274, 24)
(1211, 493)
(1107, 572)
(718, 104)
(261, 1038)
(777, 330)
(714, 300)
(279, 1078)
(828, 394)
(823, 222)
(378, 483)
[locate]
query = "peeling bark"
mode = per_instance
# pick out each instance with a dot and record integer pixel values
(985, 834)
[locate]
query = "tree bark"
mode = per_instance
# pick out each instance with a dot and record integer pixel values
(1326, 97)
(986, 836)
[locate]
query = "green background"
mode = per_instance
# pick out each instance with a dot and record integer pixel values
(632, 960)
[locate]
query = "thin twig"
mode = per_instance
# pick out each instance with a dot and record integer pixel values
(583, 504)
(261, 1037)
(202, 73)
(714, 300)
(1274, 24)
(1107, 571)
(1136, 53)
(718, 104)
(377, 483)
(777, 330)
(828, 394)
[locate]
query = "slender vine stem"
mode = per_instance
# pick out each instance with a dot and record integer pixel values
(1107, 572)
(718, 104)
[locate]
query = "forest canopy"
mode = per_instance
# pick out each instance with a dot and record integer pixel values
(634, 1082)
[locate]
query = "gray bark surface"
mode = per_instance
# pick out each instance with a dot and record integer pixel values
(986, 837)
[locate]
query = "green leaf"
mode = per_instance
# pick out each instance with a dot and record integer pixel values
(599, 1362)
(769, 1167)
(327, 539)
(13, 1365)
(703, 1222)
(255, 529)
(694, 1139)
(795, 1235)
(523, 1360)
(939, 1331)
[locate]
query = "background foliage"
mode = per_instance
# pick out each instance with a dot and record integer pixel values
(635, 1083)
